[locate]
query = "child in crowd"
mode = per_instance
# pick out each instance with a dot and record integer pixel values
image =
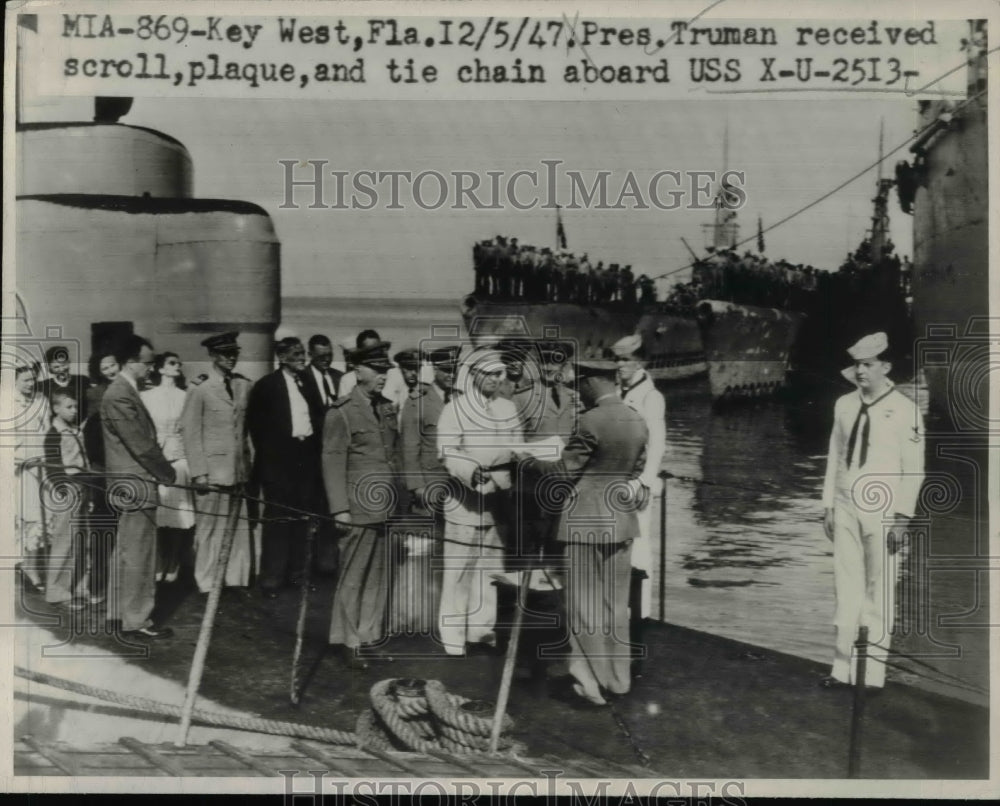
(67, 500)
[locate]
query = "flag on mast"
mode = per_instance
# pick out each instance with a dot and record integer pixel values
(760, 235)
(560, 231)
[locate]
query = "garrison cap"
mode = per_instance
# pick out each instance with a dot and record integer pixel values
(222, 342)
(407, 359)
(375, 357)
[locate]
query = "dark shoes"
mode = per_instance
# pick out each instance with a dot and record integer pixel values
(152, 632)
(567, 690)
(350, 658)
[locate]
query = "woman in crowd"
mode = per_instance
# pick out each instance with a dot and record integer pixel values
(28, 422)
(175, 514)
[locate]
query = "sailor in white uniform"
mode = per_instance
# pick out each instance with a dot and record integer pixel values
(639, 393)
(876, 462)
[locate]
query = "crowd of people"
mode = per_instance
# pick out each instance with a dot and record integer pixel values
(507, 270)
(521, 464)
(440, 435)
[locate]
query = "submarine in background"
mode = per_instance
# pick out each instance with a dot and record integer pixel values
(110, 241)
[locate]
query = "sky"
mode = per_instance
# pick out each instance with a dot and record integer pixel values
(792, 152)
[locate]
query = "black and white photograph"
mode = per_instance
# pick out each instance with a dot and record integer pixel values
(524, 398)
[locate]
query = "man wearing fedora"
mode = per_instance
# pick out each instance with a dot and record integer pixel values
(877, 439)
(281, 419)
(360, 474)
(213, 427)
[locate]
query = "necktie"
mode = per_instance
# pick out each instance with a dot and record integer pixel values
(447, 396)
(326, 388)
(852, 442)
(375, 408)
(865, 432)
(555, 395)
(228, 382)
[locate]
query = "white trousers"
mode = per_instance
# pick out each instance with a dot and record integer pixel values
(642, 551)
(864, 576)
(468, 611)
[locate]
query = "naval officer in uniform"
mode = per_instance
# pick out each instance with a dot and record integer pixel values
(213, 428)
(360, 474)
(604, 459)
(639, 393)
(876, 439)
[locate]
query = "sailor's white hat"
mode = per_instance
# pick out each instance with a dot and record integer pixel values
(871, 346)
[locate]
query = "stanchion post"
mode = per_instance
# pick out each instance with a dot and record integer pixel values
(300, 624)
(663, 546)
(524, 577)
(208, 619)
(858, 712)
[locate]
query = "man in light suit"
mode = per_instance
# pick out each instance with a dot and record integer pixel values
(877, 439)
(213, 427)
(283, 425)
(360, 473)
(135, 465)
(604, 459)
(639, 393)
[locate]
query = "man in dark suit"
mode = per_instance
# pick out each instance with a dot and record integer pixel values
(604, 459)
(135, 464)
(324, 384)
(57, 361)
(324, 381)
(360, 472)
(283, 426)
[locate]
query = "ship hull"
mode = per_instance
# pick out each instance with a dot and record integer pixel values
(746, 347)
(950, 270)
(672, 342)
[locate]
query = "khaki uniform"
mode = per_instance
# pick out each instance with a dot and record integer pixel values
(213, 429)
(598, 527)
(360, 474)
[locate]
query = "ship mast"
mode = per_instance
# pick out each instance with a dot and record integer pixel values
(880, 213)
(724, 232)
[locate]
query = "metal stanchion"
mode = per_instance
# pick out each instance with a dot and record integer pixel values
(857, 715)
(300, 624)
(663, 547)
(508, 666)
(208, 619)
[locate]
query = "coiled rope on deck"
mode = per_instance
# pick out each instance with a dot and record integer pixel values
(423, 716)
(402, 717)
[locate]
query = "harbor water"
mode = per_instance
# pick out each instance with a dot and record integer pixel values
(746, 556)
